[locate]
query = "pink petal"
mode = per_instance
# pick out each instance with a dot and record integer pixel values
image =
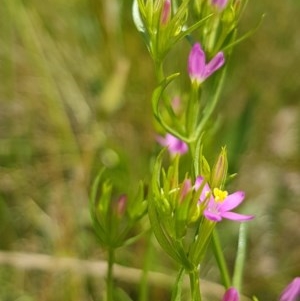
(236, 216)
(175, 145)
(205, 191)
(213, 216)
(216, 63)
(232, 201)
(196, 63)
(292, 291)
(198, 182)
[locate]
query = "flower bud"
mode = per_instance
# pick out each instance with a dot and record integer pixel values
(219, 4)
(231, 295)
(185, 188)
(165, 12)
(121, 204)
(219, 171)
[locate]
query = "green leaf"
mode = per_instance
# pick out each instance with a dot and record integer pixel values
(192, 28)
(176, 293)
(245, 36)
(156, 96)
(161, 237)
(240, 257)
(95, 187)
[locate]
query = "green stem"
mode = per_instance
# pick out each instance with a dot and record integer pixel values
(219, 255)
(192, 111)
(211, 107)
(109, 279)
(195, 285)
(143, 289)
(176, 294)
(192, 116)
(240, 257)
(159, 71)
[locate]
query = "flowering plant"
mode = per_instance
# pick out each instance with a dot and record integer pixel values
(186, 198)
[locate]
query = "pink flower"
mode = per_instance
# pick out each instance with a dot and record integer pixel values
(197, 67)
(175, 145)
(292, 291)
(219, 203)
(231, 295)
(220, 4)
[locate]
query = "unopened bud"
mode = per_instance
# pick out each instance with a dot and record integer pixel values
(185, 189)
(219, 171)
(121, 206)
(231, 295)
(220, 4)
(165, 12)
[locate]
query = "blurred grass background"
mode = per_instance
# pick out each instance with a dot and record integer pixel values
(75, 90)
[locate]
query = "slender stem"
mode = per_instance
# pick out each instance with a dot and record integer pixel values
(192, 111)
(240, 257)
(210, 108)
(195, 285)
(143, 289)
(109, 279)
(192, 118)
(159, 71)
(176, 294)
(219, 255)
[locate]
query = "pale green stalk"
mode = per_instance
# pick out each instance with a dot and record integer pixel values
(219, 255)
(144, 288)
(177, 288)
(195, 285)
(240, 257)
(109, 279)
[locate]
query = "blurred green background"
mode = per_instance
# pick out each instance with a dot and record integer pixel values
(76, 81)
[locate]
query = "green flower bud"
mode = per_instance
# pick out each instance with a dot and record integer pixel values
(219, 171)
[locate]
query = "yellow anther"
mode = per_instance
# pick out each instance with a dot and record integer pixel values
(220, 195)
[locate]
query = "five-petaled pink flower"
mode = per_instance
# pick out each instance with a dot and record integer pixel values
(220, 4)
(292, 291)
(231, 295)
(197, 67)
(219, 203)
(174, 145)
